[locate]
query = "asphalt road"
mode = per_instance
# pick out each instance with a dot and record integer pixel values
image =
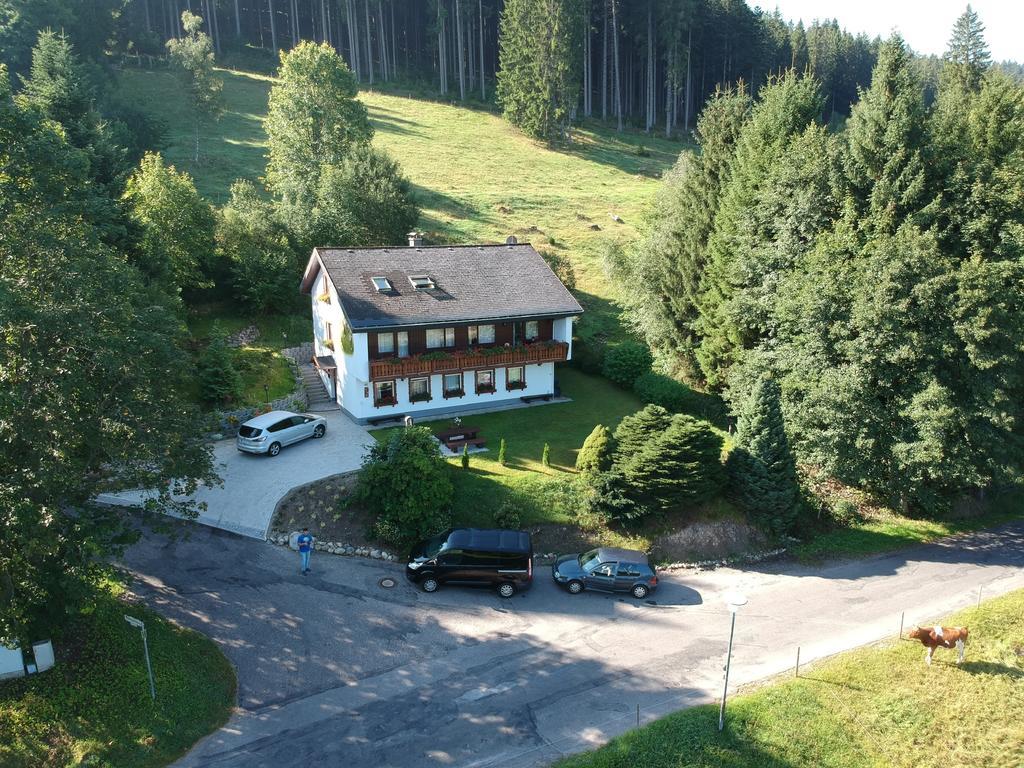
(336, 670)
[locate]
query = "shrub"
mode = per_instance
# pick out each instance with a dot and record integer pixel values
(676, 397)
(596, 453)
(607, 497)
(624, 363)
(507, 516)
(501, 452)
(405, 483)
(219, 382)
(561, 266)
(465, 457)
(679, 464)
(637, 430)
(545, 457)
(587, 356)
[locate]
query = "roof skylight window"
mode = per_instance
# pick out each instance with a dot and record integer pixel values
(421, 282)
(382, 284)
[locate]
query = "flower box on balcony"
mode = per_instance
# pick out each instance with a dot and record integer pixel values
(385, 401)
(485, 390)
(423, 398)
(515, 385)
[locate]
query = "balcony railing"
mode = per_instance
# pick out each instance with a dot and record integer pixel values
(451, 361)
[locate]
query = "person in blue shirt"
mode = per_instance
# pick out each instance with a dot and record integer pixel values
(305, 542)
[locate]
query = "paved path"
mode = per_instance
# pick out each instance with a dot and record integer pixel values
(253, 485)
(335, 670)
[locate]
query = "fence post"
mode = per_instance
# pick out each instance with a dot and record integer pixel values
(979, 595)
(637, 715)
(797, 662)
(900, 635)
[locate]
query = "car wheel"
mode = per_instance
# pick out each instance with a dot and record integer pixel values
(319, 430)
(506, 589)
(429, 584)
(574, 587)
(274, 449)
(640, 591)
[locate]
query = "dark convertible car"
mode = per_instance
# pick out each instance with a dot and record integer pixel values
(606, 569)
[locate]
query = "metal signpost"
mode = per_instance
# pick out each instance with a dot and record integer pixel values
(734, 601)
(137, 623)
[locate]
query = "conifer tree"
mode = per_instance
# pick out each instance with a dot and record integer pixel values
(885, 136)
(596, 453)
(967, 54)
(680, 464)
(638, 429)
(539, 73)
(761, 467)
(666, 268)
(219, 382)
(786, 107)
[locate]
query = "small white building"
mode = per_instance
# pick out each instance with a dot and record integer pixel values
(423, 331)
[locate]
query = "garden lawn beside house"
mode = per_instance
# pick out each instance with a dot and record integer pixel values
(94, 707)
(877, 706)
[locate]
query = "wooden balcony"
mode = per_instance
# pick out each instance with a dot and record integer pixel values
(453, 361)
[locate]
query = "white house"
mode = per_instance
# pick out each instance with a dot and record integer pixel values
(430, 330)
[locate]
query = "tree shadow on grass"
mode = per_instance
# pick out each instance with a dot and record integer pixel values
(989, 668)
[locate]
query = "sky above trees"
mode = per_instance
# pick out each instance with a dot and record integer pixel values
(924, 24)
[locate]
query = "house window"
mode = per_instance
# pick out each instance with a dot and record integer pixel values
(532, 330)
(383, 393)
(328, 336)
(486, 334)
(484, 382)
(421, 282)
(385, 343)
(472, 335)
(419, 390)
(382, 284)
(453, 385)
(515, 378)
(440, 337)
(403, 344)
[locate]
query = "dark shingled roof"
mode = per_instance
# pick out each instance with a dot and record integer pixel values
(472, 283)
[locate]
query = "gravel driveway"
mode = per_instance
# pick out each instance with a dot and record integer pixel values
(252, 485)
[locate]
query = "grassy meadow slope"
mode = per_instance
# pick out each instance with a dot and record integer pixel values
(476, 178)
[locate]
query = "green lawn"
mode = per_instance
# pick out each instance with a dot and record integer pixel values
(524, 479)
(875, 707)
(886, 531)
(476, 177)
(266, 374)
(94, 708)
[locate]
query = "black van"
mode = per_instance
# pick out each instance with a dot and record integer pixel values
(473, 556)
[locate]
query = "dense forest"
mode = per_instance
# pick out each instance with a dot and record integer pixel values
(647, 63)
(876, 273)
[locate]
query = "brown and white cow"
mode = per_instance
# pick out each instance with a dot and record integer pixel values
(940, 637)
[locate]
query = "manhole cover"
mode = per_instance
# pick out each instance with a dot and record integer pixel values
(387, 582)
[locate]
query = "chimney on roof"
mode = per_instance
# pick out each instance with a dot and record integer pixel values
(415, 239)
(511, 240)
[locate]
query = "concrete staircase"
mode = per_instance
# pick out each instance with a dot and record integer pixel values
(315, 392)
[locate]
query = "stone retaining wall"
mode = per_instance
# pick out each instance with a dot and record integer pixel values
(297, 400)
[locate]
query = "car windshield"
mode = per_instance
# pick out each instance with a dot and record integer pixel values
(249, 431)
(589, 560)
(433, 546)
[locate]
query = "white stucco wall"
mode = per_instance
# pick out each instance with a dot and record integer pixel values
(561, 330)
(540, 380)
(324, 313)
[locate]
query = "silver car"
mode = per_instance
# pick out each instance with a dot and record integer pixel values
(270, 432)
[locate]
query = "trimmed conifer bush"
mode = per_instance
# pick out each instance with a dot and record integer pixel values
(595, 455)
(637, 430)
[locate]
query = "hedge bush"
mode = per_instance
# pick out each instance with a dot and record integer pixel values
(676, 397)
(625, 362)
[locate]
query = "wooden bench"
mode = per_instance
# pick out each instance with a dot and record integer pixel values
(382, 419)
(531, 398)
(472, 442)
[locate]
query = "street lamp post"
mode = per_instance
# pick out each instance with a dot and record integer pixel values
(733, 601)
(266, 393)
(137, 623)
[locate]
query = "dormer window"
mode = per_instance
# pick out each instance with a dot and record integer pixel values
(382, 284)
(421, 282)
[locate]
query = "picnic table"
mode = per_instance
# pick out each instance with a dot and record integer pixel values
(456, 437)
